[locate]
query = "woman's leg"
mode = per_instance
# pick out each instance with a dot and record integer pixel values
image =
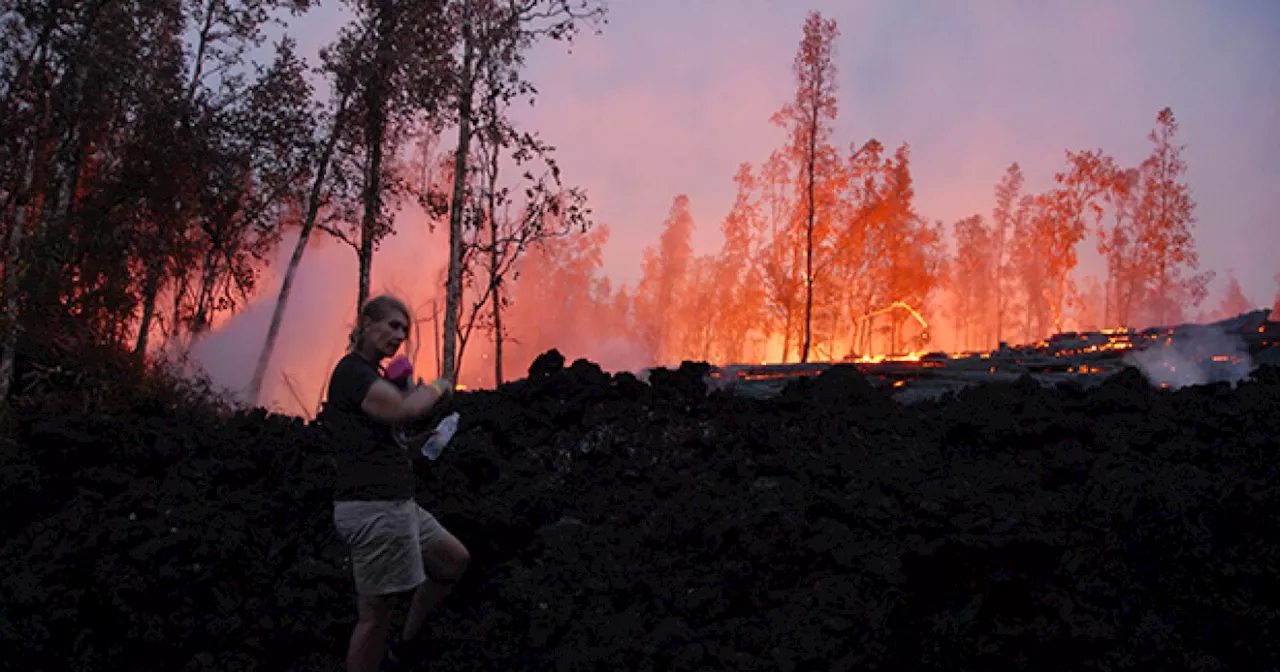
(369, 638)
(445, 560)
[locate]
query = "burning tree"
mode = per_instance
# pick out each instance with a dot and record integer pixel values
(1163, 218)
(1008, 216)
(1091, 307)
(558, 288)
(664, 285)
(1031, 250)
(811, 156)
(1063, 224)
(700, 309)
(1118, 244)
(911, 249)
(971, 276)
(1233, 300)
(737, 285)
(779, 257)
(858, 238)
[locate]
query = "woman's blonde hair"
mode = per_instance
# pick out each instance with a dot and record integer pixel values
(377, 308)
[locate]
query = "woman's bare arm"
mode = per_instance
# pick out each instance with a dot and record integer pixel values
(386, 404)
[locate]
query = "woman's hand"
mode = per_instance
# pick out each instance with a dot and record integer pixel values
(443, 387)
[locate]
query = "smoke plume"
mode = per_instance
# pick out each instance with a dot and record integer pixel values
(1194, 355)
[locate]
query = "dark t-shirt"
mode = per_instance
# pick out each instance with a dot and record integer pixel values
(371, 465)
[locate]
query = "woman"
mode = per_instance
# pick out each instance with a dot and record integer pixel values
(396, 546)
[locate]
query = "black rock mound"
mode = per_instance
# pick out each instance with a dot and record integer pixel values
(621, 525)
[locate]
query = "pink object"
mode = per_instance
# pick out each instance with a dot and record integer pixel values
(400, 367)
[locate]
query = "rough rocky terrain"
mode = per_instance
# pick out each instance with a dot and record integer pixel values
(616, 524)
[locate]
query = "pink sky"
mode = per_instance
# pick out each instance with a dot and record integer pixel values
(668, 102)
(672, 96)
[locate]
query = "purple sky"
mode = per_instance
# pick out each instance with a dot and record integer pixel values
(673, 95)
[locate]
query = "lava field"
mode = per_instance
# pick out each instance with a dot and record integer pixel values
(620, 524)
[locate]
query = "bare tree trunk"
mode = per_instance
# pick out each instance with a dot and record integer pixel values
(150, 292)
(1060, 303)
(811, 170)
(497, 335)
(435, 326)
(70, 163)
(308, 225)
(495, 279)
(12, 276)
(375, 132)
(453, 287)
(204, 303)
(786, 335)
(372, 208)
(492, 153)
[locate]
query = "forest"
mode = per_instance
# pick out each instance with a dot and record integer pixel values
(158, 157)
(825, 255)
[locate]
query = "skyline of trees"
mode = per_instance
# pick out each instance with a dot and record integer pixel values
(150, 165)
(150, 169)
(829, 252)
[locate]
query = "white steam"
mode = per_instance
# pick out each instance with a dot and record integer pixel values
(1194, 355)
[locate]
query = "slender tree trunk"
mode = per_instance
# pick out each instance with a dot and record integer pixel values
(808, 257)
(495, 279)
(12, 277)
(369, 223)
(308, 225)
(204, 303)
(181, 282)
(786, 335)
(1106, 295)
(70, 162)
(435, 330)
(55, 209)
(150, 293)
(12, 322)
(453, 287)
(497, 334)
(375, 133)
(998, 285)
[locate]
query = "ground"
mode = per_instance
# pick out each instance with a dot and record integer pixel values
(616, 524)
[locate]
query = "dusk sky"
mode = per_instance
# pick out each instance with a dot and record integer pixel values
(672, 96)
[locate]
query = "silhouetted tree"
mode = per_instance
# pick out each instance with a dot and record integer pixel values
(807, 120)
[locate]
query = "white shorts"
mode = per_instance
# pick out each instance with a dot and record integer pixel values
(386, 540)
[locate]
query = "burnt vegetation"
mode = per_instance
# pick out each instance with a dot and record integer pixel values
(149, 168)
